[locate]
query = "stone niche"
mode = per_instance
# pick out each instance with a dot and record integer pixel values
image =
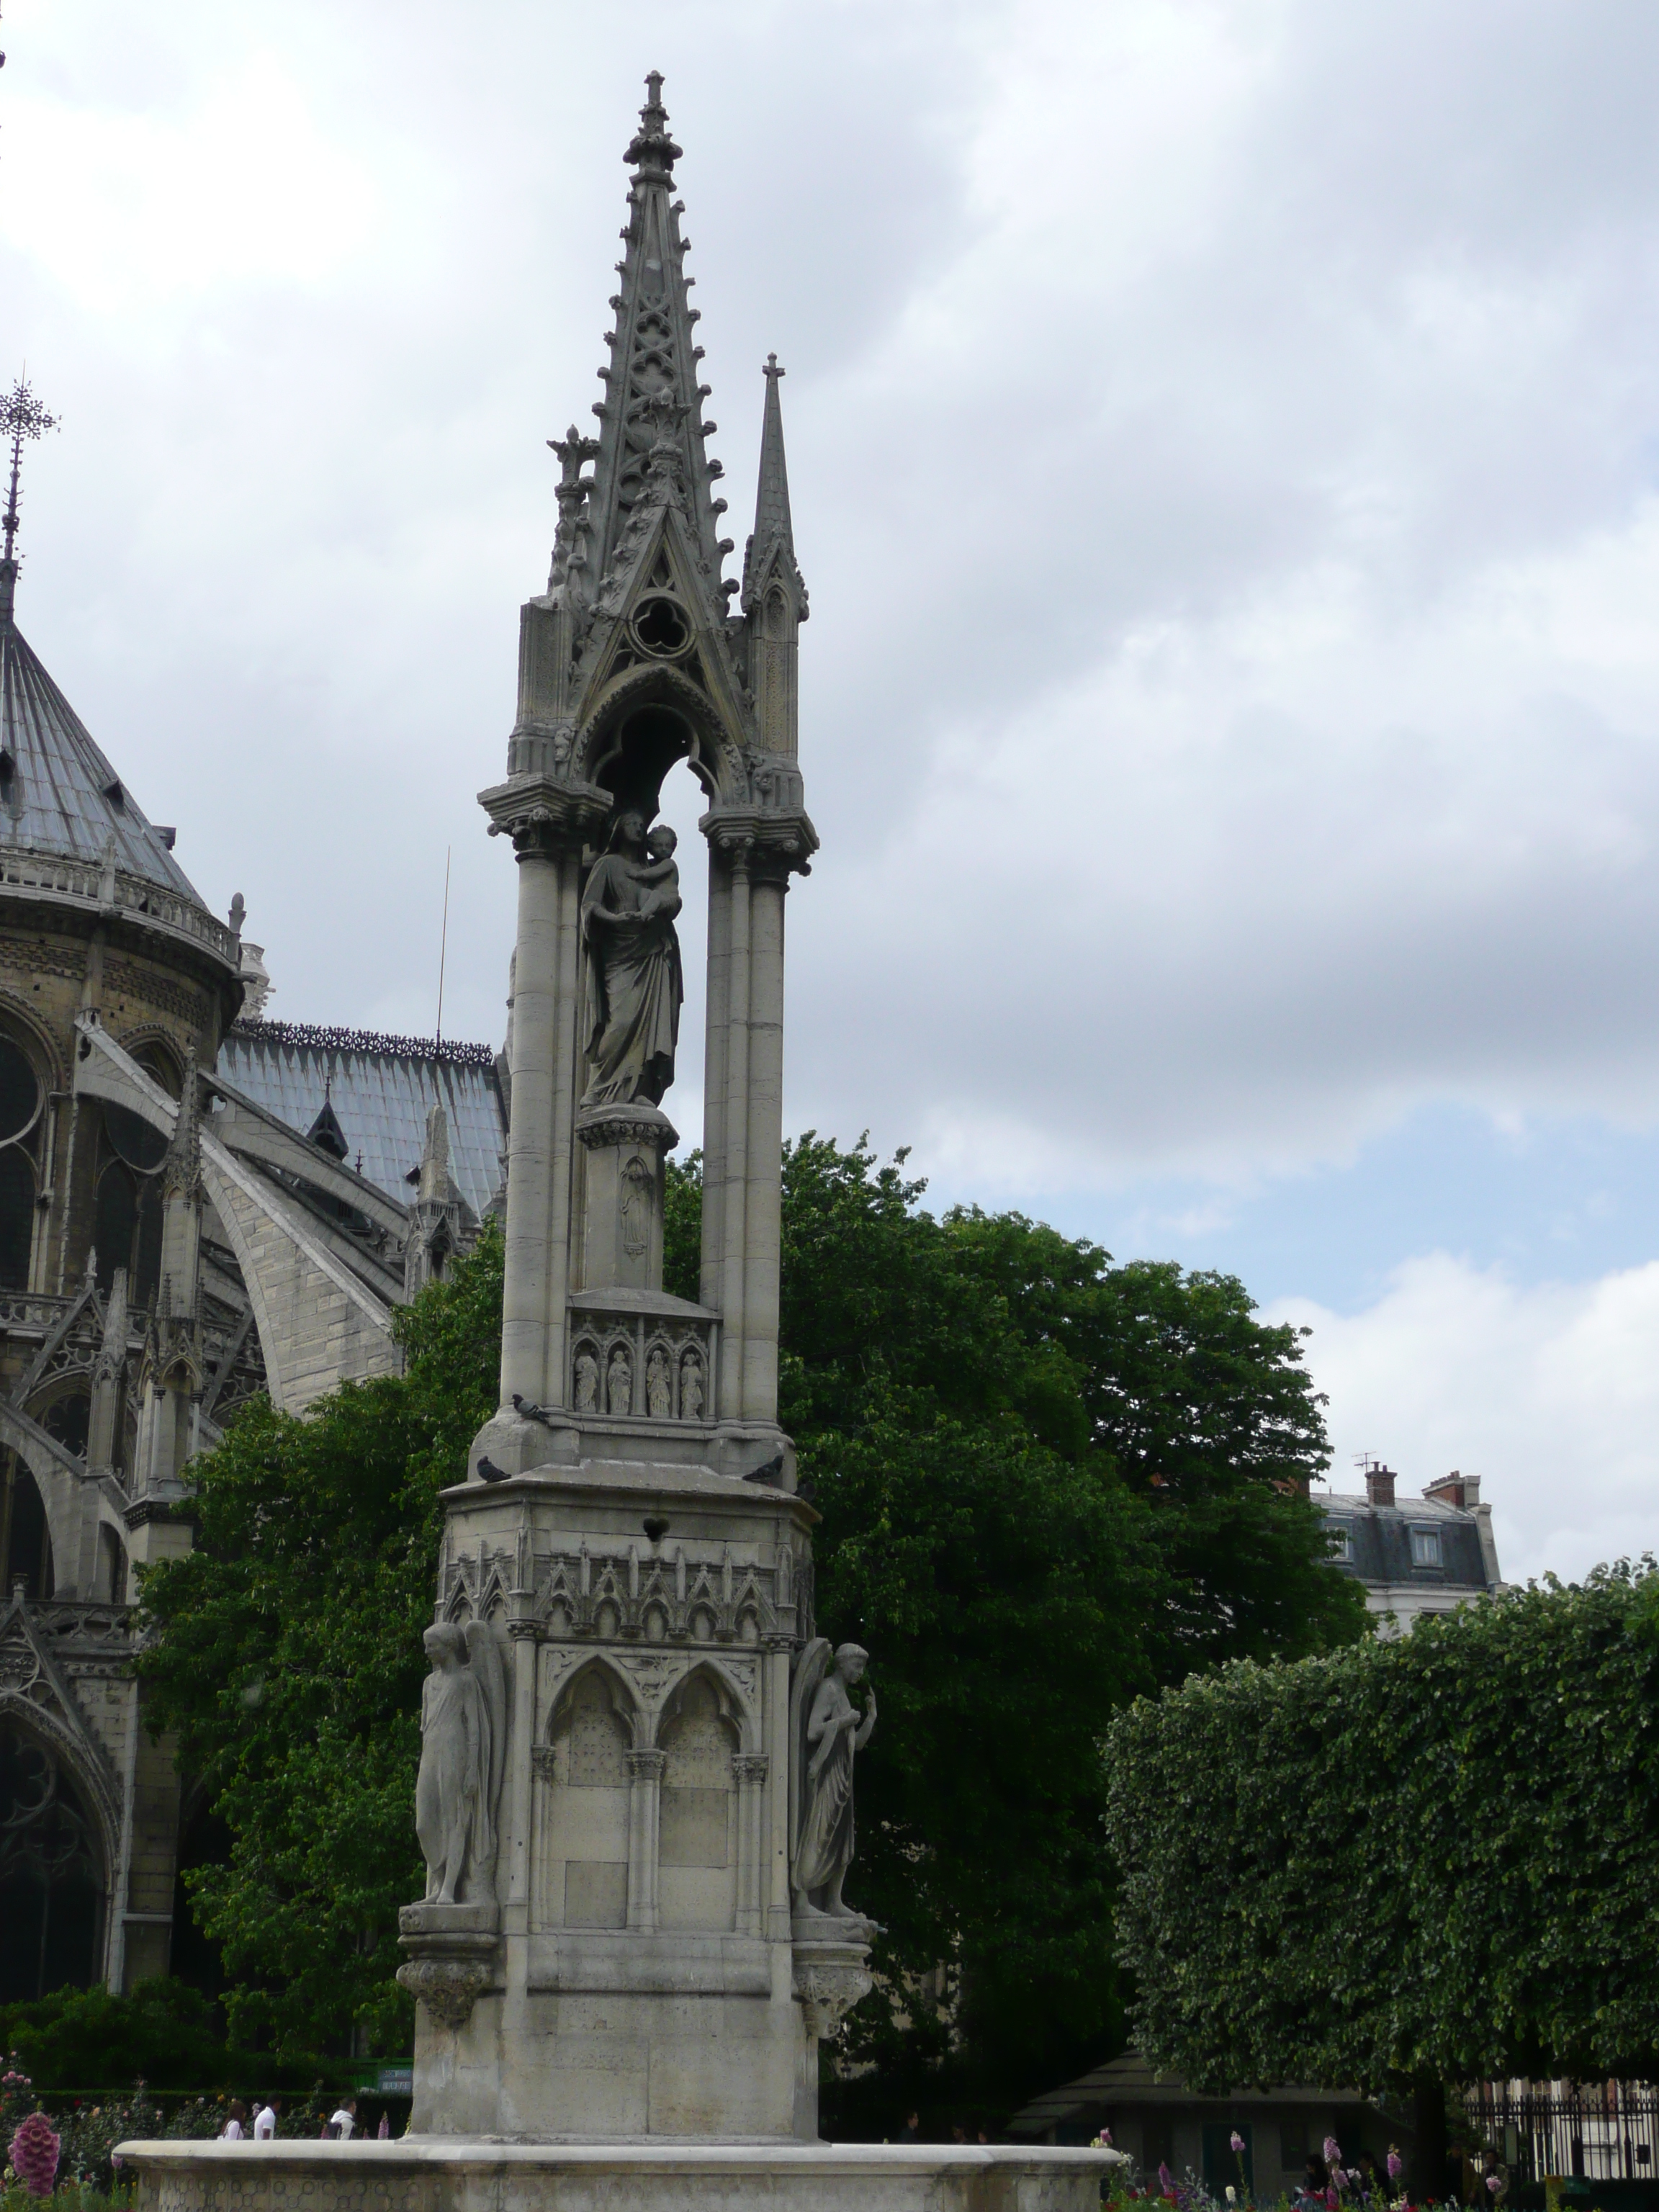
(648, 1794)
(640, 1356)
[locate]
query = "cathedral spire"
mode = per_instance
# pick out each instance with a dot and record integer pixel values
(772, 544)
(650, 419)
(22, 416)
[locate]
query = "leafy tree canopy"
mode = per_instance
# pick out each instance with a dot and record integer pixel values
(1047, 1483)
(78, 2040)
(1436, 1856)
(287, 1660)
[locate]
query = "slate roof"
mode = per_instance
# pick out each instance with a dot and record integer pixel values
(61, 794)
(1128, 2081)
(1380, 1546)
(379, 1089)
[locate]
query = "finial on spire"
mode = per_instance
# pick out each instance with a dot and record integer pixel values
(652, 151)
(22, 416)
(772, 544)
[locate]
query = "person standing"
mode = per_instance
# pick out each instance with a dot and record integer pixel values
(342, 2123)
(384, 2130)
(234, 2130)
(265, 2120)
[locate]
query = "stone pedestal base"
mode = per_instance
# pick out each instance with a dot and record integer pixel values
(453, 1954)
(428, 2174)
(623, 1149)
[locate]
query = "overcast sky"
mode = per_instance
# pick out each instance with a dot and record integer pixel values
(1225, 449)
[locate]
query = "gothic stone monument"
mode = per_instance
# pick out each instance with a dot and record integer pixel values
(647, 1935)
(636, 1799)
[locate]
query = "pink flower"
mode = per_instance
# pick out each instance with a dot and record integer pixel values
(1333, 2151)
(1238, 2142)
(34, 2150)
(1494, 2182)
(1396, 2166)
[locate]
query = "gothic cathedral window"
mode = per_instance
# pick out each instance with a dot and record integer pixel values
(52, 1883)
(127, 1224)
(22, 1098)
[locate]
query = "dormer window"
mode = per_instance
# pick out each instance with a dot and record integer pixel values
(1341, 1544)
(1425, 1547)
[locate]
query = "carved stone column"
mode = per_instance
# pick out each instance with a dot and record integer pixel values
(752, 1768)
(762, 1176)
(776, 1837)
(548, 824)
(731, 1138)
(644, 1822)
(514, 1865)
(530, 1142)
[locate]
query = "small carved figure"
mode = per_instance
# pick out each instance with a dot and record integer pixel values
(690, 1388)
(834, 1730)
(656, 1391)
(463, 1748)
(633, 1199)
(587, 1381)
(619, 1382)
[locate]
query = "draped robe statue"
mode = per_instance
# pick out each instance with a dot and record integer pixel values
(635, 986)
(833, 1731)
(463, 1749)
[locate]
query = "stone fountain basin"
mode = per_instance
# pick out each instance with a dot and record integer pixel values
(445, 2173)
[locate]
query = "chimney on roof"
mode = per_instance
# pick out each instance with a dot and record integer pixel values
(1454, 1489)
(1379, 1483)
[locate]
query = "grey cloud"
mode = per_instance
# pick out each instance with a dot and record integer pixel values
(1184, 804)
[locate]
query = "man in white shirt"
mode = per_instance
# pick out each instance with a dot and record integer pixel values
(343, 2124)
(264, 2121)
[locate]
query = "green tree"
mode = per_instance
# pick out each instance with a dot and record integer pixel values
(286, 1660)
(74, 2041)
(1047, 1482)
(1433, 1859)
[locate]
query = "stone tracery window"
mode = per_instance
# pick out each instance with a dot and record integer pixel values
(127, 1221)
(25, 1537)
(52, 1886)
(22, 1102)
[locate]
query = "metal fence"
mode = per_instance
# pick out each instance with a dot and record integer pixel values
(1601, 2131)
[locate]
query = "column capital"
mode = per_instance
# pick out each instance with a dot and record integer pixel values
(544, 816)
(646, 1765)
(752, 1765)
(773, 846)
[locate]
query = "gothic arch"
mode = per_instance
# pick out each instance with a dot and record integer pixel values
(92, 1806)
(713, 757)
(735, 1706)
(157, 1041)
(35, 1036)
(57, 1474)
(87, 1768)
(624, 1700)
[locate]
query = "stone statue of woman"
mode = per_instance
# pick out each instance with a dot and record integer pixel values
(635, 986)
(463, 1749)
(834, 1730)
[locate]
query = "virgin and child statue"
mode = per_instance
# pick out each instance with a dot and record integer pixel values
(634, 987)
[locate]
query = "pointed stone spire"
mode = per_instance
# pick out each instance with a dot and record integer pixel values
(21, 417)
(181, 1170)
(434, 1184)
(104, 1424)
(650, 420)
(772, 546)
